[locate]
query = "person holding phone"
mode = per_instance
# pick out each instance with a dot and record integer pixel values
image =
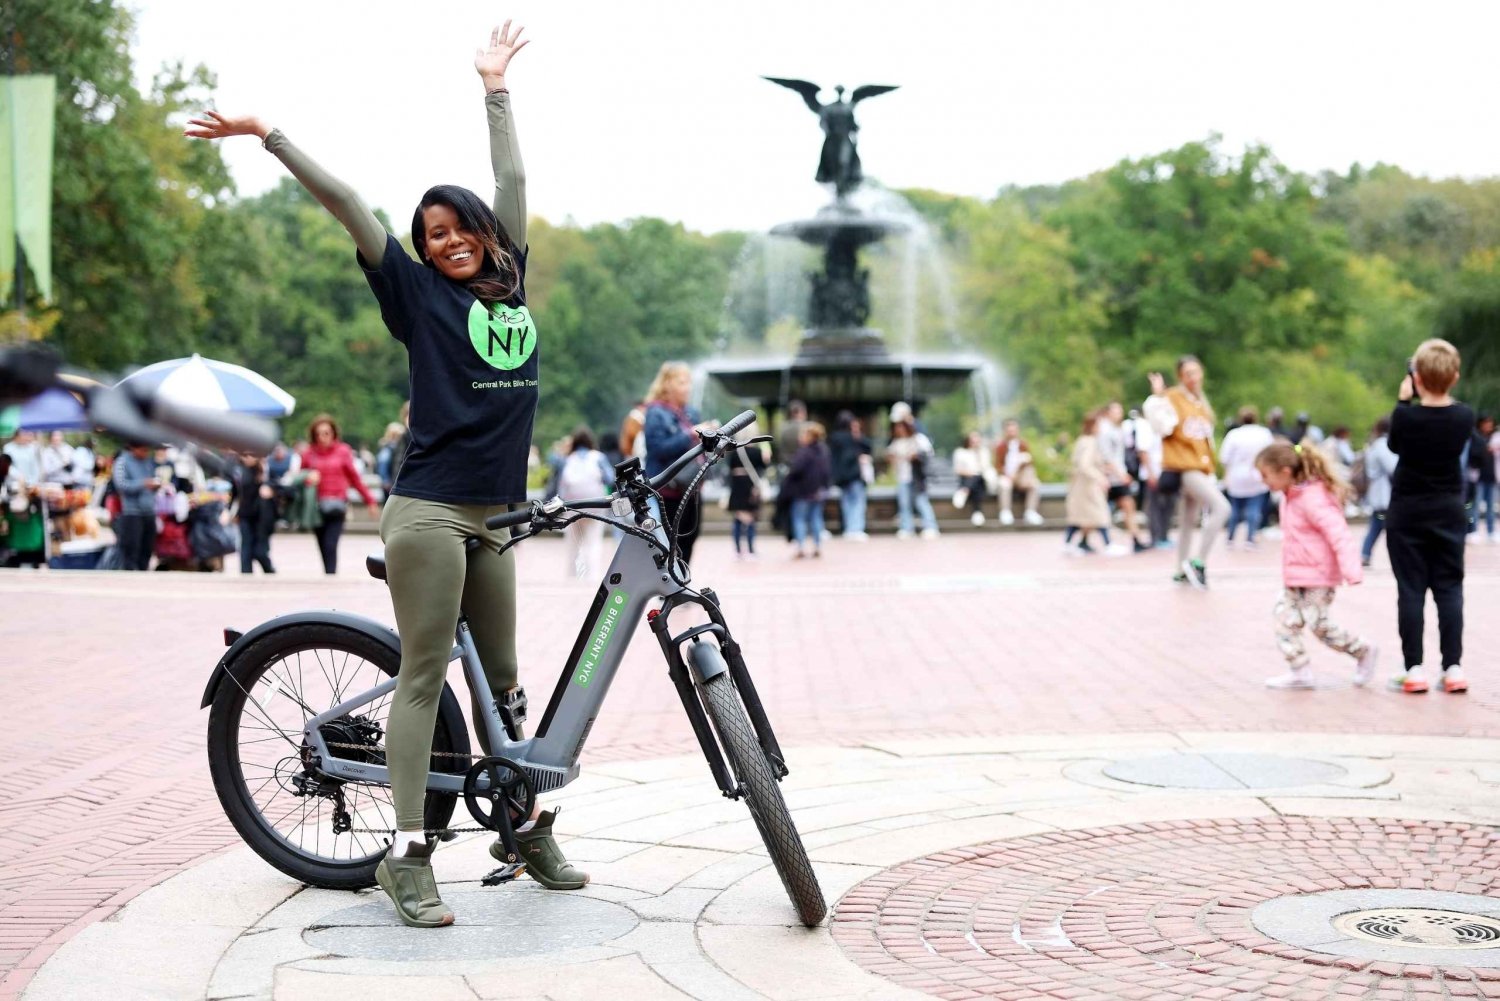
(1426, 522)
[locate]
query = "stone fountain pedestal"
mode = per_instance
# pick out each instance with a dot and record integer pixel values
(841, 362)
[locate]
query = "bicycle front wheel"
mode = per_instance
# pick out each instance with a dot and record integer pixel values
(763, 796)
(313, 828)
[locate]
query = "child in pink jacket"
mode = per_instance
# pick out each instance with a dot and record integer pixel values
(1317, 555)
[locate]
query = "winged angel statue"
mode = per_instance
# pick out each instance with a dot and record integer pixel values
(839, 163)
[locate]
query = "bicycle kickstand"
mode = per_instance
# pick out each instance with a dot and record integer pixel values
(514, 865)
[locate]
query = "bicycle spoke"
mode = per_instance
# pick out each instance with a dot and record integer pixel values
(328, 678)
(279, 699)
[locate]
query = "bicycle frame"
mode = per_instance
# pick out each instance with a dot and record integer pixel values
(635, 578)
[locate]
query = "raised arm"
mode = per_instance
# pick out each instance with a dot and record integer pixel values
(334, 195)
(505, 150)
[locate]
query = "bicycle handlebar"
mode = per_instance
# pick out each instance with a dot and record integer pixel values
(729, 430)
(511, 519)
(737, 424)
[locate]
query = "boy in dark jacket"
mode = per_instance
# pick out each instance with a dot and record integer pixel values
(1426, 522)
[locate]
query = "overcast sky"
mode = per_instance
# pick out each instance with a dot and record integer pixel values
(657, 108)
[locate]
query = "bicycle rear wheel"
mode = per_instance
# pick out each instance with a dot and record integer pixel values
(278, 802)
(763, 795)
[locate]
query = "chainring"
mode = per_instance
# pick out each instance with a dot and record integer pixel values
(506, 786)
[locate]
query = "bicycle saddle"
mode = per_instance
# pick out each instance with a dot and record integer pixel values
(375, 562)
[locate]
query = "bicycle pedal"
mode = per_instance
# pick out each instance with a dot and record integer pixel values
(504, 874)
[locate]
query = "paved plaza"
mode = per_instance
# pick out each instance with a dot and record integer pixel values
(1019, 775)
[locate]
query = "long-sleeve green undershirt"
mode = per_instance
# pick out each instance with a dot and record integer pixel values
(369, 235)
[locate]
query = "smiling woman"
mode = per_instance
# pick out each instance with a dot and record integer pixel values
(470, 433)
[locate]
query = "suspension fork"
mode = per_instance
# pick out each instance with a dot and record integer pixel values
(735, 658)
(739, 674)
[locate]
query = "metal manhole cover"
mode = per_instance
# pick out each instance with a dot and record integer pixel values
(1422, 927)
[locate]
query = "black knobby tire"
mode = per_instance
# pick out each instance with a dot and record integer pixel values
(256, 669)
(763, 795)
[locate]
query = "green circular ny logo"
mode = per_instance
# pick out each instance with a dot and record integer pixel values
(504, 337)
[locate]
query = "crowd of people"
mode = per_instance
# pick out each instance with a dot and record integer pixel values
(1425, 478)
(177, 508)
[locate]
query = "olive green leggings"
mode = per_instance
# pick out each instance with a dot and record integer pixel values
(432, 579)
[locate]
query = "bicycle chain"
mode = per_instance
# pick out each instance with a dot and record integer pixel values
(435, 754)
(434, 832)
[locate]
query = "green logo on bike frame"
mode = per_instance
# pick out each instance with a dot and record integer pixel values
(504, 336)
(604, 630)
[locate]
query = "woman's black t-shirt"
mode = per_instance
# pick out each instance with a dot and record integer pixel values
(473, 376)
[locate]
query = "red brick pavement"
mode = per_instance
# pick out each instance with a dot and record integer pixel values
(1156, 911)
(106, 790)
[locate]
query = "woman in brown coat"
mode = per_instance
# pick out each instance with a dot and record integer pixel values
(1088, 492)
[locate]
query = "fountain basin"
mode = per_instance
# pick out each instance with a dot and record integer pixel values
(859, 380)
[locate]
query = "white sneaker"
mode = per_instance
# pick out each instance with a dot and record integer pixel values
(905, 533)
(929, 533)
(1006, 518)
(1033, 518)
(1413, 681)
(1297, 677)
(1491, 540)
(1364, 670)
(960, 497)
(976, 519)
(1117, 549)
(1454, 682)
(856, 537)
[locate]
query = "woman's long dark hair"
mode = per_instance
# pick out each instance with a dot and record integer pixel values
(499, 277)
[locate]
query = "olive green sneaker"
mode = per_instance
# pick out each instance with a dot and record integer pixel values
(409, 882)
(544, 859)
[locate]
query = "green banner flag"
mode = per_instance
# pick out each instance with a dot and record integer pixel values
(27, 105)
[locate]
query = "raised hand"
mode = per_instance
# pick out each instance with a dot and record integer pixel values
(1158, 384)
(216, 126)
(504, 44)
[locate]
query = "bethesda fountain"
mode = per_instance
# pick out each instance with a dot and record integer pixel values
(841, 363)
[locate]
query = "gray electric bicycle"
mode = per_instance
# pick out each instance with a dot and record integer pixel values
(297, 725)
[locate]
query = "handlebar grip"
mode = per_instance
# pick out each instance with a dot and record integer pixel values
(241, 432)
(510, 519)
(738, 424)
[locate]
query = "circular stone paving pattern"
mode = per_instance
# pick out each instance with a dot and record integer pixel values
(1162, 910)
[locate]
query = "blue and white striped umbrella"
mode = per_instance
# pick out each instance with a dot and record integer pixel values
(217, 385)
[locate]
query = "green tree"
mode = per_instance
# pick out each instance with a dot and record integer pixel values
(129, 194)
(1030, 310)
(1196, 251)
(1469, 316)
(290, 303)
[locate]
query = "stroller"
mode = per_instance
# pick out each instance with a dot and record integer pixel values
(200, 542)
